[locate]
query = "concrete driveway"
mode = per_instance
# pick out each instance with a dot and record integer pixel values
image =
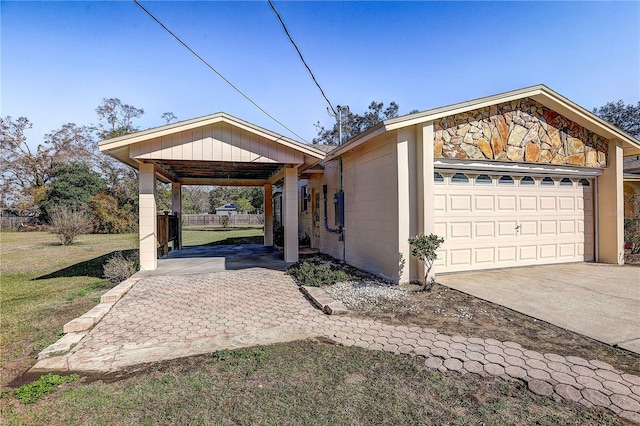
(596, 300)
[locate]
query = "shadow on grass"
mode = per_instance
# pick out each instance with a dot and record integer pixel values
(258, 239)
(88, 268)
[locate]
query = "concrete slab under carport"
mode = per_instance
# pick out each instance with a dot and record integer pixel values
(597, 300)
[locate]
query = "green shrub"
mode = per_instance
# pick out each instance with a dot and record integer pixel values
(49, 383)
(110, 217)
(632, 233)
(224, 220)
(118, 268)
(424, 247)
(306, 273)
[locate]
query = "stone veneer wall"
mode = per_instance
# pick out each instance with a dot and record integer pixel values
(518, 131)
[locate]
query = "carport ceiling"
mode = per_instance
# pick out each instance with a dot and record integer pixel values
(218, 170)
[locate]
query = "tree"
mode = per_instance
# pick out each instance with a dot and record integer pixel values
(243, 205)
(72, 187)
(195, 199)
(169, 117)
(26, 171)
(68, 222)
(116, 118)
(354, 124)
(424, 247)
(624, 117)
(221, 195)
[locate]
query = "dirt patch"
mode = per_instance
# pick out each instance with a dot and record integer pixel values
(631, 259)
(453, 312)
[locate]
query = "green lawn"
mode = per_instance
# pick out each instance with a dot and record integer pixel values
(304, 383)
(44, 285)
(195, 236)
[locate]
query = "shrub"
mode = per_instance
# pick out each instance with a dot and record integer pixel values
(632, 233)
(313, 275)
(118, 268)
(111, 218)
(424, 248)
(278, 235)
(68, 223)
(49, 383)
(224, 220)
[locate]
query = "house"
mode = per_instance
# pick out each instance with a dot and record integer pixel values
(521, 178)
(226, 210)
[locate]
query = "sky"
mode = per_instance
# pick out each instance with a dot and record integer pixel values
(60, 59)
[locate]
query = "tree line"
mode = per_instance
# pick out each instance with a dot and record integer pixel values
(66, 168)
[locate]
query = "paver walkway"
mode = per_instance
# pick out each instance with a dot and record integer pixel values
(165, 317)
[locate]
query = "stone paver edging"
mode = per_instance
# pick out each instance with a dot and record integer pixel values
(165, 317)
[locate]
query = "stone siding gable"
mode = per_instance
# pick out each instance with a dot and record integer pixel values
(519, 131)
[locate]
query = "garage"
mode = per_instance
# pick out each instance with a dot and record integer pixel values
(505, 220)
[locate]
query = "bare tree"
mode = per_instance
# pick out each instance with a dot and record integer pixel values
(26, 170)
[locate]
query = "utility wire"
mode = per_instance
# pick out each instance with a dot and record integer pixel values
(216, 71)
(301, 57)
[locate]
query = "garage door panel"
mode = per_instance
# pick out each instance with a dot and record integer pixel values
(566, 204)
(567, 227)
(460, 257)
(460, 203)
(528, 203)
(546, 203)
(528, 228)
(496, 226)
(484, 255)
(567, 250)
(547, 251)
(507, 253)
(528, 252)
(440, 203)
(460, 230)
(484, 203)
(485, 229)
(548, 227)
(506, 203)
(507, 228)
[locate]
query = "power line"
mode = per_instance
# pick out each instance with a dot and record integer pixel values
(216, 71)
(301, 57)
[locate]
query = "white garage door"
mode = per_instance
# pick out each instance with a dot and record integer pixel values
(505, 221)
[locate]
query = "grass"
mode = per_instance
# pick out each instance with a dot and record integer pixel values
(298, 383)
(44, 285)
(196, 236)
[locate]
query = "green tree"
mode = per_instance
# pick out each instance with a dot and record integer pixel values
(72, 187)
(424, 247)
(354, 124)
(27, 170)
(243, 205)
(219, 196)
(624, 117)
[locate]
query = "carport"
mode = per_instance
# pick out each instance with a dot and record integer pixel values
(220, 150)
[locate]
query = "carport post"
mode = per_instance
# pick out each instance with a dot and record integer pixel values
(176, 207)
(148, 217)
(290, 208)
(268, 215)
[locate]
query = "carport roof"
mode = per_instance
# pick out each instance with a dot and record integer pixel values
(217, 149)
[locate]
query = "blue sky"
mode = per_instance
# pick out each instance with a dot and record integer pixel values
(59, 59)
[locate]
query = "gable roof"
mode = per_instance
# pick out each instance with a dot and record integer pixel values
(211, 150)
(540, 93)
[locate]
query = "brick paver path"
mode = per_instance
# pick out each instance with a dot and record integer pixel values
(171, 316)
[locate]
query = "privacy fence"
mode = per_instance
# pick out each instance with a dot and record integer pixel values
(217, 219)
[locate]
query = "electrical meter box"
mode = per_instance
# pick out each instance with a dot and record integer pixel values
(338, 203)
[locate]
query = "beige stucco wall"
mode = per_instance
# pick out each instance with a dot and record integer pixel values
(610, 207)
(371, 222)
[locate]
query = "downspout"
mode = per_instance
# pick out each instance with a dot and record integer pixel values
(596, 231)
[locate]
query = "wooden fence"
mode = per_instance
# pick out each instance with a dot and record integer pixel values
(13, 221)
(216, 219)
